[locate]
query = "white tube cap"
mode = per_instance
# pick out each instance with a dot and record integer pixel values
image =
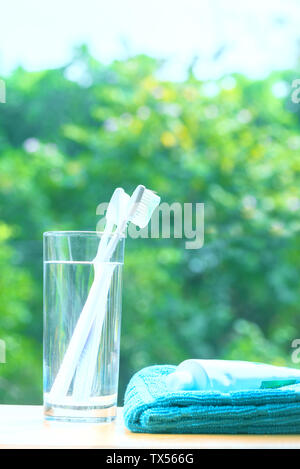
(180, 380)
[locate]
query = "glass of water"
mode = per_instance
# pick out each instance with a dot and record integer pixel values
(86, 390)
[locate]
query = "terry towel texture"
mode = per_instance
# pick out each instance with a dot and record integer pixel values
(151, 408)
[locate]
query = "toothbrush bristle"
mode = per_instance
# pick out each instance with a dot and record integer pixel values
(145, 208)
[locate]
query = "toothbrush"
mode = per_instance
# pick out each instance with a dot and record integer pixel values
(114, 213)
(139, 211)
(140, 208)
(82, 329)
(86, 368)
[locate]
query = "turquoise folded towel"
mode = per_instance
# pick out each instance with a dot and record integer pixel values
(150, 407)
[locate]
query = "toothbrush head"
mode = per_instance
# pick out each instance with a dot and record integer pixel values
(144, 202)
(117, 205)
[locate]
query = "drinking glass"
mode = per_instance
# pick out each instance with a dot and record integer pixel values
(69, 273)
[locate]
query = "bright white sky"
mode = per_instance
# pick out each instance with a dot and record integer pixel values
(259, 35)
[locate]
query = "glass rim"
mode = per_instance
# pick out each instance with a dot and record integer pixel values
(77, 233)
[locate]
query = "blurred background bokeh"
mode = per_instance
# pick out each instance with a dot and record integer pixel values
(192, 99)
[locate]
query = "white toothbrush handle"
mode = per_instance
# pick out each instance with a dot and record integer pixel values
(103, 241)
(87, 365)
(111, 246)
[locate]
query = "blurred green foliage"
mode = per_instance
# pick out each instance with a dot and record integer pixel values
(232, 144)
